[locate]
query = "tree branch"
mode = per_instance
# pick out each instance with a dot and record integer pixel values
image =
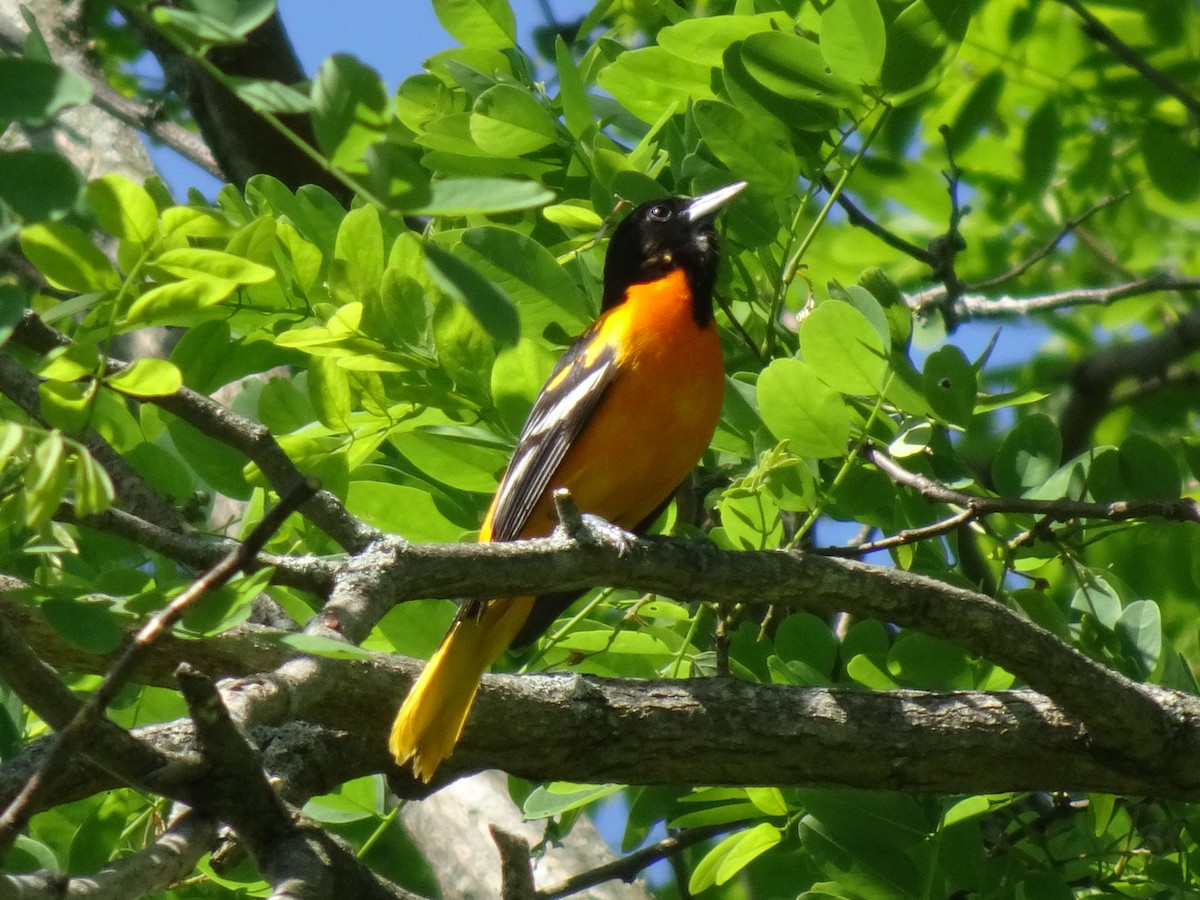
(1110, 733)
(977, 306)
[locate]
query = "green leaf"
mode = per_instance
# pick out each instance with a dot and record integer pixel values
(123, 208)
(950, 385)
(572, 98)
(705, 39)
(791, 66)
(509, 121)
(758, 150)
(920, 41)
(94, 490)
(732, 855)
(650, 81)
(488, 304)
(529, 274)
(800, 409)
(317, 645)
(466, 196)
(172, 303)
(1028, 455)
(33, 91)
(88, 624)
(964, 810)
(147, 377)
(38, 185)
(1039, 152)
(977, 110)
(46, 480)
(843, 348)
(68, 259)
(349, 109)
(267, 96)
(484, 24)
(466, 459)
(1139, 628)
(1172, 160)
(854, 40)
(196, 262)
(1098, 599)
(1148, 471)
(398, 509)
(558, 797)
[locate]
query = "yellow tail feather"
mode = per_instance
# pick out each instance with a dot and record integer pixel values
(432, 717)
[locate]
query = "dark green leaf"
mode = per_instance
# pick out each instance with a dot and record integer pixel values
(33, 91)
(950, 385)
(1148, 471)
(1039, 153)
(349, 104)
(490, 305)
(1172, 159)
(791, 66)
(38, 185)
(1028, 455)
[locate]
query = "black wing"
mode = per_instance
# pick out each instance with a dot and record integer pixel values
(561, 410)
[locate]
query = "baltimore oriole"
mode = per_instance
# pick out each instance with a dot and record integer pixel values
(626, 414)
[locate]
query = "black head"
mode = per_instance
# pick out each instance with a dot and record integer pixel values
(663, 235)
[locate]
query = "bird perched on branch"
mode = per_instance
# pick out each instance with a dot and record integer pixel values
(625, 416)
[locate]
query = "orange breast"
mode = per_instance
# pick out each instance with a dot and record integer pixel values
(657, 417)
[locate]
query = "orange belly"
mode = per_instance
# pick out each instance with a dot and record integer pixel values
(649, 430)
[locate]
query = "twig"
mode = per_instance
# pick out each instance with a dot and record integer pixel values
(1067, 228)
(907, 536)
(945, 249)
(68, 740)
(857, 217)
(627, 867)
(1062, 510)
(1098, 31)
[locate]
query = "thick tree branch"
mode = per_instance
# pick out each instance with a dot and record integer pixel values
(1103, 732)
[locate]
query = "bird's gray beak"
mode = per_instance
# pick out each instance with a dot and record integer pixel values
(707, 204)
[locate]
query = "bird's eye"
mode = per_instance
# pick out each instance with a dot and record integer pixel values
(660, 213)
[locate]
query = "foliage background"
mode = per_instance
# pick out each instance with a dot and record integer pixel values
(915, 168)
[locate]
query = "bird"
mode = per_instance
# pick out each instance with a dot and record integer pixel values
(623, 418)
